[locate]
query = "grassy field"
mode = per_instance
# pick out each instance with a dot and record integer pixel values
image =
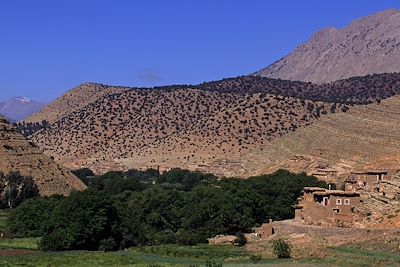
(3, 220)
(19, 243)
(167, 255)
(193, 256)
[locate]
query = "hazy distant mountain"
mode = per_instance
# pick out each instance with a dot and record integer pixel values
(18, 108)
(367, 46)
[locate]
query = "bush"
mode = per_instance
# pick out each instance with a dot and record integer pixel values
(255, 258)
(213, 264)
(281, 248)
(240, 239)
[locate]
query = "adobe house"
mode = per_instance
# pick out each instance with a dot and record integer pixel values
(320, 206)
(364, 180)
(265, 230)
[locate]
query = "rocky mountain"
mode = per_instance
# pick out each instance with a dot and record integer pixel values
(231, 127)
(18, 108)
(369, 45)
(19, 154)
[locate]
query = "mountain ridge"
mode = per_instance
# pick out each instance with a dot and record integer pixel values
(207, 127)
(370, 45)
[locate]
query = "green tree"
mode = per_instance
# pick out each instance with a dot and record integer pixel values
(31, 217)
(16, 189)
(153, 215)
(83, 174)
(184, 179)
(84, 220)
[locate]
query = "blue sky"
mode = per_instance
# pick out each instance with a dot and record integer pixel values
(48, 46)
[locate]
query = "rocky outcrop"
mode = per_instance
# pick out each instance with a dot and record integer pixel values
(19, 154)
(367, 46)
(390, 189)
(381, 207)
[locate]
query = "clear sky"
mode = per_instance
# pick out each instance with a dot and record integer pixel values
(50, 46)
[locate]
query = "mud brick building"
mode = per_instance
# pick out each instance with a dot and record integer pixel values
(364, 180)
(320, 206)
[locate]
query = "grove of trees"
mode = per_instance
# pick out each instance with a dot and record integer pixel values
(123, 209)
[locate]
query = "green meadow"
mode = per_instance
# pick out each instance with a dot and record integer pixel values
(173, 255)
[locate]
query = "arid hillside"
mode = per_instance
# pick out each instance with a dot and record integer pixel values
(73, 100)
(218, 127)
(367, 46)
(169, 128)
(19, 154)
(236, 129)
(366, 136)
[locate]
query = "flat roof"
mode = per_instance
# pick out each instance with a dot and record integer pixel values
(371, 172)
(313, 189)
(327, 170)
(337, 193)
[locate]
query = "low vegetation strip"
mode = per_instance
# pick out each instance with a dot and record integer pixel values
(196, 256)
(19, 243)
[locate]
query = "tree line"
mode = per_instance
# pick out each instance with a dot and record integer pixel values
(134, 208)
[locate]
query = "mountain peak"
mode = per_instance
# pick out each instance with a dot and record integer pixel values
(23, 99)
(370, 45)
(20, 107)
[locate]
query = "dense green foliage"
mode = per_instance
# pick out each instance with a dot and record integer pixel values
(121, 209)
(184, 179)
(116, 184)
(83, 174)
(15, 188)
(30, 218)
(84, 220)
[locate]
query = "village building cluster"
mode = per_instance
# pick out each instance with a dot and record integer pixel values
(325, 207)
(333, 208)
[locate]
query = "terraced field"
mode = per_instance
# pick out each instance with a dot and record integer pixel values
(364, 137)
